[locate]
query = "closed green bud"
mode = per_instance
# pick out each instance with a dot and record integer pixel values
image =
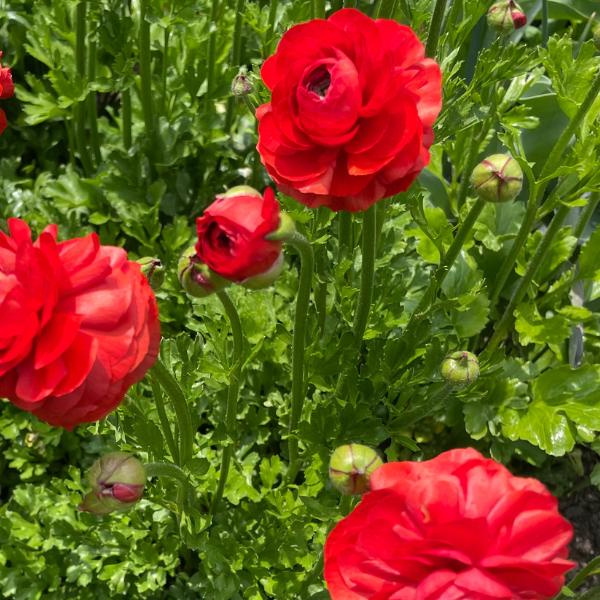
(117, 480)
(498, 178)
(242, 86)
(506, 16)
(153, 270)
(196, 278)
(351, 466)
(460, 368)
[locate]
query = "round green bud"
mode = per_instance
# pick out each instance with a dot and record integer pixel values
(266, 279)
(196, 278)
(242, 86)
(506, 16)
(351, 466)
(117, 481)
(460, 368)
(498, 178)
(239, 190)
(153, 270)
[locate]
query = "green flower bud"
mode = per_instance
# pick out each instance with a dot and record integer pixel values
(153, 270)
(266, 279)
(242, 86)
(506, 16)
(460, 368)
(117, 481)
(498, 178)
(240, 190)
(351, 466)
(196, 278)
(285, 231)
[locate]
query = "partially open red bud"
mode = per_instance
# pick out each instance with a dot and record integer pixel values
(498, 178)
(153, 271)
(117, 481)
(460, 368)
(506, 16)
(266, 279)
(351, 466)
(196, 278)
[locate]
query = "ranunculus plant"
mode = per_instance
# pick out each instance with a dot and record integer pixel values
(299, 300)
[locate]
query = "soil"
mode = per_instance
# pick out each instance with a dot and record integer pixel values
(582, 509)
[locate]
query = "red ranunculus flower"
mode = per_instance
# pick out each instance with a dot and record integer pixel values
(7, 88)
(231, 234)
(458, 527)
(78, 325)
(351, 112)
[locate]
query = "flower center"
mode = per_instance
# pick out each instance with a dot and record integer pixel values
(319, 81)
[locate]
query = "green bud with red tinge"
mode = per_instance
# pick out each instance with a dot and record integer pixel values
(242, 86)
(153, 271)
(506, 16)
(117, 480)
(266, 279)
(498, 178)
(196, 278)
(351, 466)
(460, 368)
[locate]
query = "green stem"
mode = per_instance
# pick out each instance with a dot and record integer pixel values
(321, 290)
(302, 245)
(320, 9)
(537, 192)
(164, 421)
(236, 58)
(350, 3)
(345, 229)
(435, 28)
(69, 125)
(336, 5)
(80, 37)
(387, 8)
(471, 159)
(271, 29)
(146, 69)
(586, 214)
(232, 395)
(126, 117)
(165, 64)
(212, 53)
(91, 102)
(313, 9)
(249, 105)
(443, 269)
(545, 23)
(412, 415)
(532, 267)
(163, 469)
(184, 418)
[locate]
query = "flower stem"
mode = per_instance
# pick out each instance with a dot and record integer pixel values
(545, 23)
(236, 57)
(271, 28)
(345, 229)
(165, 64)
(365, 294)
(80, 37)
(146, 69)
(164, 421)
(232, 395)
(537, 192)
(212, 54)
(586, 214)
(126, 117)
(443, 269)
(91, 101)
(320, 9)
(350, 3)
(302, 245)
(435, 28)
(163, 469)
(184, 418)
(532, 268)
(386, 10)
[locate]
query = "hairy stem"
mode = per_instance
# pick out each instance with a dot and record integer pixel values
(435, 28)
(236, 57)
(126, 117)
(211, 54)
(80, 38)
(302, 245)
(146, 69)
(232, 396)
(164, 421)
(91, 102)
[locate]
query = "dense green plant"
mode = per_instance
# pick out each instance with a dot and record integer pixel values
(124, 123)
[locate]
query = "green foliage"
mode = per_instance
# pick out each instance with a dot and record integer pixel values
(536, 399)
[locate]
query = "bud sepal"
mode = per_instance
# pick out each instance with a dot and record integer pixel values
(498, 178)
(351, 467)
(506, 16)
(153, 271)
(196, 278)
